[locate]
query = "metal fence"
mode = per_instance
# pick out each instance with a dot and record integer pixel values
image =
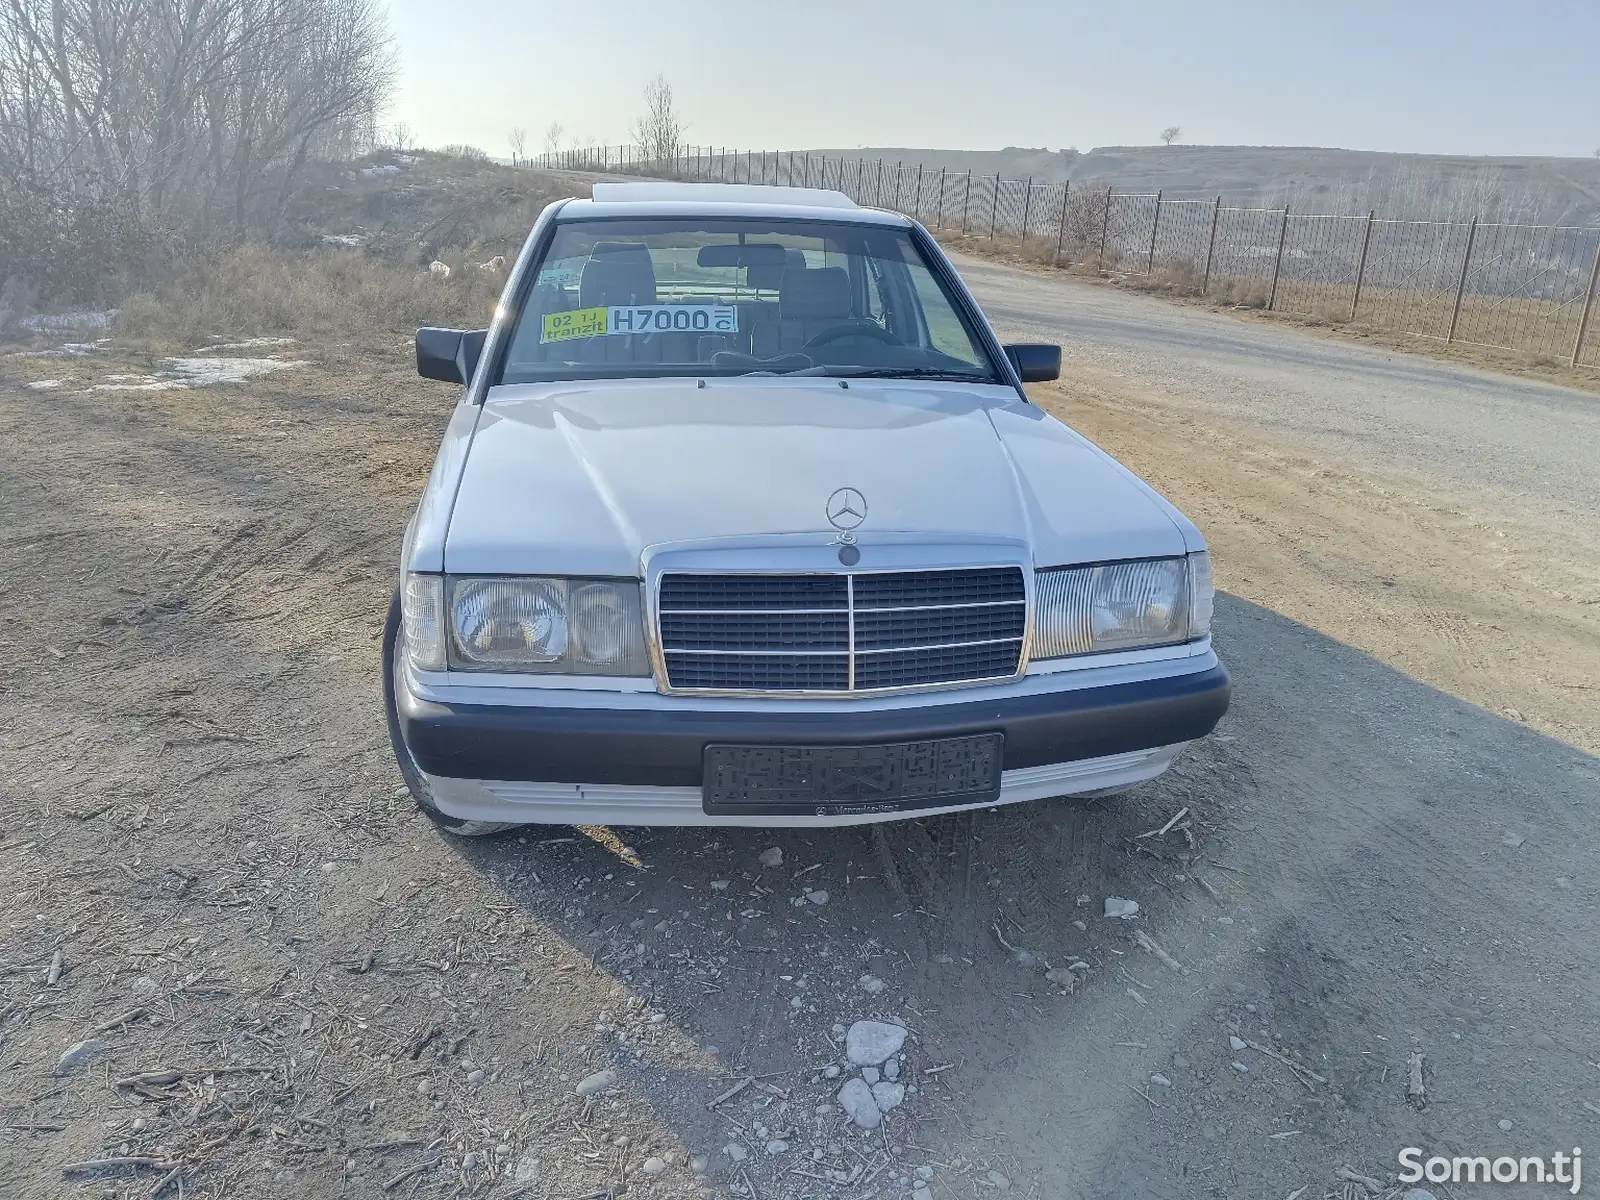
(1528, 288)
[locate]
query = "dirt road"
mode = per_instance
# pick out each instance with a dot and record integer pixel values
(303, 990)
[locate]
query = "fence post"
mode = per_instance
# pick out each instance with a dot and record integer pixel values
(1027, 210)
(1155, 226)
(1588, 303)
(1361, 267)
(966, 197)
(938, 210)
(916, 201)
(994, 206)
(877, 191)
(1105, 224)
(1277, 263)
(1211, 244)
(1461, 285)
(897, 172)
(1061, 229)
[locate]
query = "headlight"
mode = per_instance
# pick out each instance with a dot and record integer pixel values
(551, 626)
(1121, 606)
(422, 616)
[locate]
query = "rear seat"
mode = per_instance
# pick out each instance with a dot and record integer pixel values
(809, 301)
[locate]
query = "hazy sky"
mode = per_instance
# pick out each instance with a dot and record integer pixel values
(1440, 76)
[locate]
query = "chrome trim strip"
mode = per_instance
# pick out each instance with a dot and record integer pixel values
(735, 653)
(850, 623)
(942, 645)
(813, 612)
(746, 612)
(641, 693)
(942, 607)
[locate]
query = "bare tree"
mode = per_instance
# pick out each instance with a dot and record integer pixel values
(1170, 134)
(140, 121)
(552, 137)
(519, 140)
(658, 130)
(400, 137)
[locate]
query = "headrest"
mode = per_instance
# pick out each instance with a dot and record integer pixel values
(822, 294)
(617, 273)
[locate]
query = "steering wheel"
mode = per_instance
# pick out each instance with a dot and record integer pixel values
(855, 327)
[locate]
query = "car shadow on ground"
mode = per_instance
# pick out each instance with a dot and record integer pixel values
(1364, 871)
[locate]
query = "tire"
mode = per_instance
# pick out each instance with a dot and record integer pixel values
(416, 781)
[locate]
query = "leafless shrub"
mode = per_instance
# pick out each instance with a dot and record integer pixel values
(1180, 277)
(126, 124)
(518, 140)
(464, 151)
(552, 137)
(1247, 293)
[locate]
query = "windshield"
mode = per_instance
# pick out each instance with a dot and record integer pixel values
(698, 296)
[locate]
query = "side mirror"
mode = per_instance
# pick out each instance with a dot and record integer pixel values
(1035, 362)
(449, 355)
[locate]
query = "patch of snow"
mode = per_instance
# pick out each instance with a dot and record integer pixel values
(65, 350)
(197, 372)
(62, 322)
(375, 172)
(247, 344)
(139, 383)
(46, 385)
(344, 239)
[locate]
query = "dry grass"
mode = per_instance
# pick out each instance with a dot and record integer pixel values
(253, 291)
(458, 209)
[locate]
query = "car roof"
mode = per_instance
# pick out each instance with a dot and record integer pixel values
(723, 200)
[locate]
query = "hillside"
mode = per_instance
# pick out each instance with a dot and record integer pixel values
(1563, 191)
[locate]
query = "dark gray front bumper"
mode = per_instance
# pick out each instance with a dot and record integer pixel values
(666, 748)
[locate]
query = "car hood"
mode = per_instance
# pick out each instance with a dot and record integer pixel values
(582, 478)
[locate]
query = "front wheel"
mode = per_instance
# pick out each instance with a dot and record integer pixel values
(394, 645)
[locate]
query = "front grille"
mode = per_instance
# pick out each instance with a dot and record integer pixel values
(840, 632)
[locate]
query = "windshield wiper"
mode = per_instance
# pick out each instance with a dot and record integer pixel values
(896, 373)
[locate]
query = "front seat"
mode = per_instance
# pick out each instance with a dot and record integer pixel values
(809, 301)
(618, 274)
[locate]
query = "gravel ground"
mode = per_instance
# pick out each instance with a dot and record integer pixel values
(260, 973)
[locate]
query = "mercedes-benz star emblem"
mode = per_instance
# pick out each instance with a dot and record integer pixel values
(846, 509)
